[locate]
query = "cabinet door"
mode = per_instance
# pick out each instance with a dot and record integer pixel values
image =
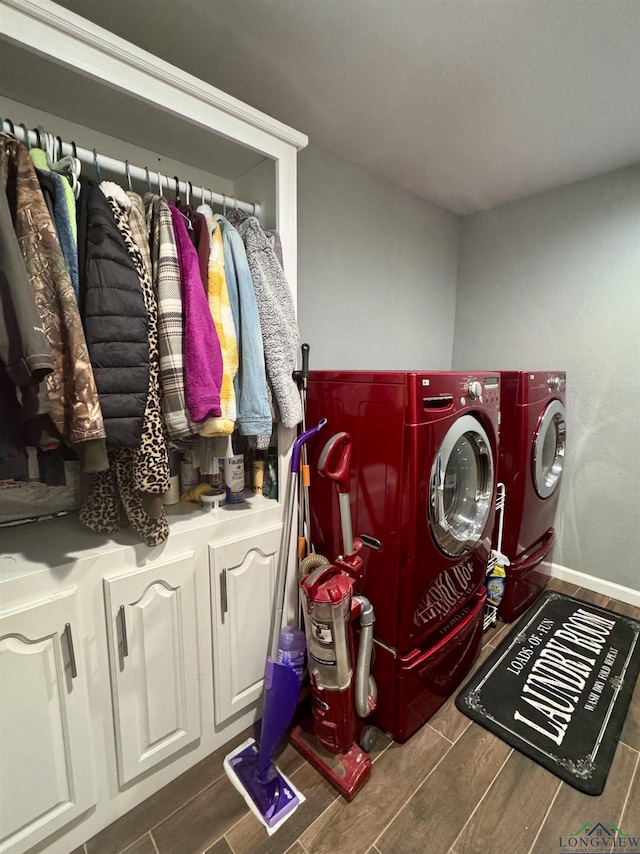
(46, 766)
(243, 583)
(153, 652)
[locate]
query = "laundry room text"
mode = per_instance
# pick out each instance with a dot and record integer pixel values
(565, 661)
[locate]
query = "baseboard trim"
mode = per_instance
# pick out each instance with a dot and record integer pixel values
(598, 585)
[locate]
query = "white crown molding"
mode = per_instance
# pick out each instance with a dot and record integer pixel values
(101, 40)
(598, 585)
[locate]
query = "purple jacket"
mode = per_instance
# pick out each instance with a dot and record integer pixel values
(202, 355)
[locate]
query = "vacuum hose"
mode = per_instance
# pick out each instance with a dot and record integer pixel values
(365, 683)
(309, 563)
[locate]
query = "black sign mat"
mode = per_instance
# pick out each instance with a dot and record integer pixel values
(559, 686)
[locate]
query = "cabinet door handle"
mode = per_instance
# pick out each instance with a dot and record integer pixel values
(223, 591)
(72, 654)
(123, 629)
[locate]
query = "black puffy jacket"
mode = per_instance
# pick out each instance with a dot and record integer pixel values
(114, 318)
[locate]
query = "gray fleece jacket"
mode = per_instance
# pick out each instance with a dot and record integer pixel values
(280, 335)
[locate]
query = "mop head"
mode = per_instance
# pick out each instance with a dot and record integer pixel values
(271, 801)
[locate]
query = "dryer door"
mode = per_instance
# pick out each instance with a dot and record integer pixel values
(548, 449)
(461, 487)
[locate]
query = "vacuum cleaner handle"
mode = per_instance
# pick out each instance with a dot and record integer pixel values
(337, 451)
(334, 462)
(299, 442)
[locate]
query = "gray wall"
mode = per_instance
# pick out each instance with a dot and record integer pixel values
(553, 282)
(377, 270)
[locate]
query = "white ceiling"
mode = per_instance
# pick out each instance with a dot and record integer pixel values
(467, 103)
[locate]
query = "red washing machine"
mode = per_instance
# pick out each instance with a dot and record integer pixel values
(424, 446)
(530, 463)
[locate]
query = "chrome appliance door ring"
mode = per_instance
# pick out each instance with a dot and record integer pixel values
(458, 527)
(546, 475)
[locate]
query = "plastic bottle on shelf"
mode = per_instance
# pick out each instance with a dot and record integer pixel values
(292, 646)
(270, 488)
(189, 475)
(215, 477)
(259, 463)
(173, 495)
(234, 472)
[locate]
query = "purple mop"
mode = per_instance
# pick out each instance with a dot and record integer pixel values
(269, 794)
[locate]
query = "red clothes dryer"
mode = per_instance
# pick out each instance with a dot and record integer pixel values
(424, 451)
(530, 464)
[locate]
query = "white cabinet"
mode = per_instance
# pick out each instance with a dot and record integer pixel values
(153, 656)
(242, 584)
(46, 768)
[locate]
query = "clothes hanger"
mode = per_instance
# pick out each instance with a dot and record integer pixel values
(65, 165)
(187, 220)
(160, 185)
(26, 135)
(148, 180)
(97, 166)
(128, 174)
(77, 169)
(175, 178)
(49, 145)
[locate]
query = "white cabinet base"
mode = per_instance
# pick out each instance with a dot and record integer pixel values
(153, 656)
(46, 770)
(242, 584)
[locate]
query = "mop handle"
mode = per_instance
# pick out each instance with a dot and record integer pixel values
(287, 521)
(299, 442)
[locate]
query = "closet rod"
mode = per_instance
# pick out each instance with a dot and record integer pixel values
(164, 183)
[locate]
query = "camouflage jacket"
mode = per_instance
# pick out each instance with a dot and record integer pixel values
(71, 390)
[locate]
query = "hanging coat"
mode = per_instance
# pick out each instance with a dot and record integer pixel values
(115, 319)
(57, 189)
(179, 427)
(280, 335)
(253, 411)
(24, 350)
(114, 502)
(151, 463)
(202, 356)
(150, 460)
(220, 307)
(70, 388)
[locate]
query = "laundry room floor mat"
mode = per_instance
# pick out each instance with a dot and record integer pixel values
(559, 686)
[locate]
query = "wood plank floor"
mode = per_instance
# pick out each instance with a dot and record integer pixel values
(452, 788)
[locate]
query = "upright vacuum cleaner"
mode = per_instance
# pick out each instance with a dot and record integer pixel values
(334, 736)
(250, 767)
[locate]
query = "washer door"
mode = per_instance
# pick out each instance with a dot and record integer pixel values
(461, 487)
(548, 449)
